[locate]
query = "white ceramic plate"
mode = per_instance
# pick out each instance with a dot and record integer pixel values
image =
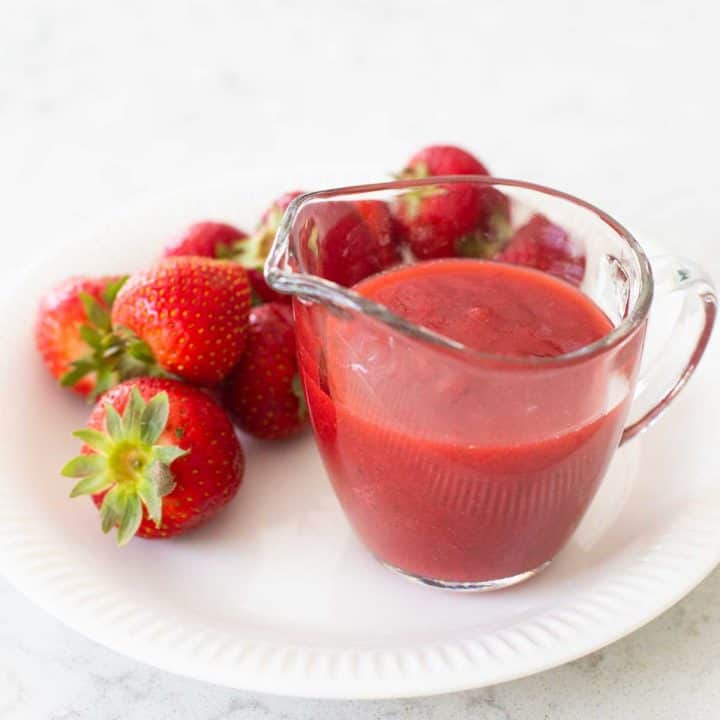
(276, 595)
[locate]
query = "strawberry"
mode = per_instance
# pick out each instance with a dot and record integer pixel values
(444, 160)
(192, 314)
(160, 457)
(451, 219)
(264, 393)
(205, 239)
(435, 219)
(337, 243)
(72, 334)
(542, 245)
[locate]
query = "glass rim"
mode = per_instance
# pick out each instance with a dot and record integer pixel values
(315, 288)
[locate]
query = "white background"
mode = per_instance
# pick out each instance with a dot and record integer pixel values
(102, 104)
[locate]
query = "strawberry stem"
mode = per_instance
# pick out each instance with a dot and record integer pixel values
(411, 201)
(127, 464)
(115, 354)
(252, 251)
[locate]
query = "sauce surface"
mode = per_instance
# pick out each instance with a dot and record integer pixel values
(491, 307)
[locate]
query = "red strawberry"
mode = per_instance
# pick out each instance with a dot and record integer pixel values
(192, 314)
(542, 245)
(444, 160)
(72, 333)
(264, 393)
(451, 219)
(435, 219)
(337, 243)
(160, 457)
(205, 239)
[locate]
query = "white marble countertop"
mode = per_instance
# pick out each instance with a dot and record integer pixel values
(103, 103)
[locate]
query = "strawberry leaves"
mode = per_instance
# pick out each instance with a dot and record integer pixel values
(98, 316)
(127, 464)
(112, 289)
(115, 354)
(412, 200)
(105, 348)
(84, 465)
(251, 251)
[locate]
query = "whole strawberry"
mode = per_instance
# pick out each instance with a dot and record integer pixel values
(160, 457)
(339, 244)
(73, 333)
(542, 245)
(191, 312)
(446, 220)
(205, 239)
(444, 160)
(264, 393)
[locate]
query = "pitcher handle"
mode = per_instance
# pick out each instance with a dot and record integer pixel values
(659, 384)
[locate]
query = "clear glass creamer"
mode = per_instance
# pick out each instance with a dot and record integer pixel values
(459, 468)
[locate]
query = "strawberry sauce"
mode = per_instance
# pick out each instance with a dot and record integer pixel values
(453, 466)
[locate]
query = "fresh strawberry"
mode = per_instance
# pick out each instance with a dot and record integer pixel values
(192, 314)
(542, 245)
(337, 243)
(444, 160)
(160, 457)
(446, 220)
(72, 333)
(436, 219)
(263, 393)
(205, 239)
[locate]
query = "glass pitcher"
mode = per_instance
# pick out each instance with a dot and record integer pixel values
(464, 469)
